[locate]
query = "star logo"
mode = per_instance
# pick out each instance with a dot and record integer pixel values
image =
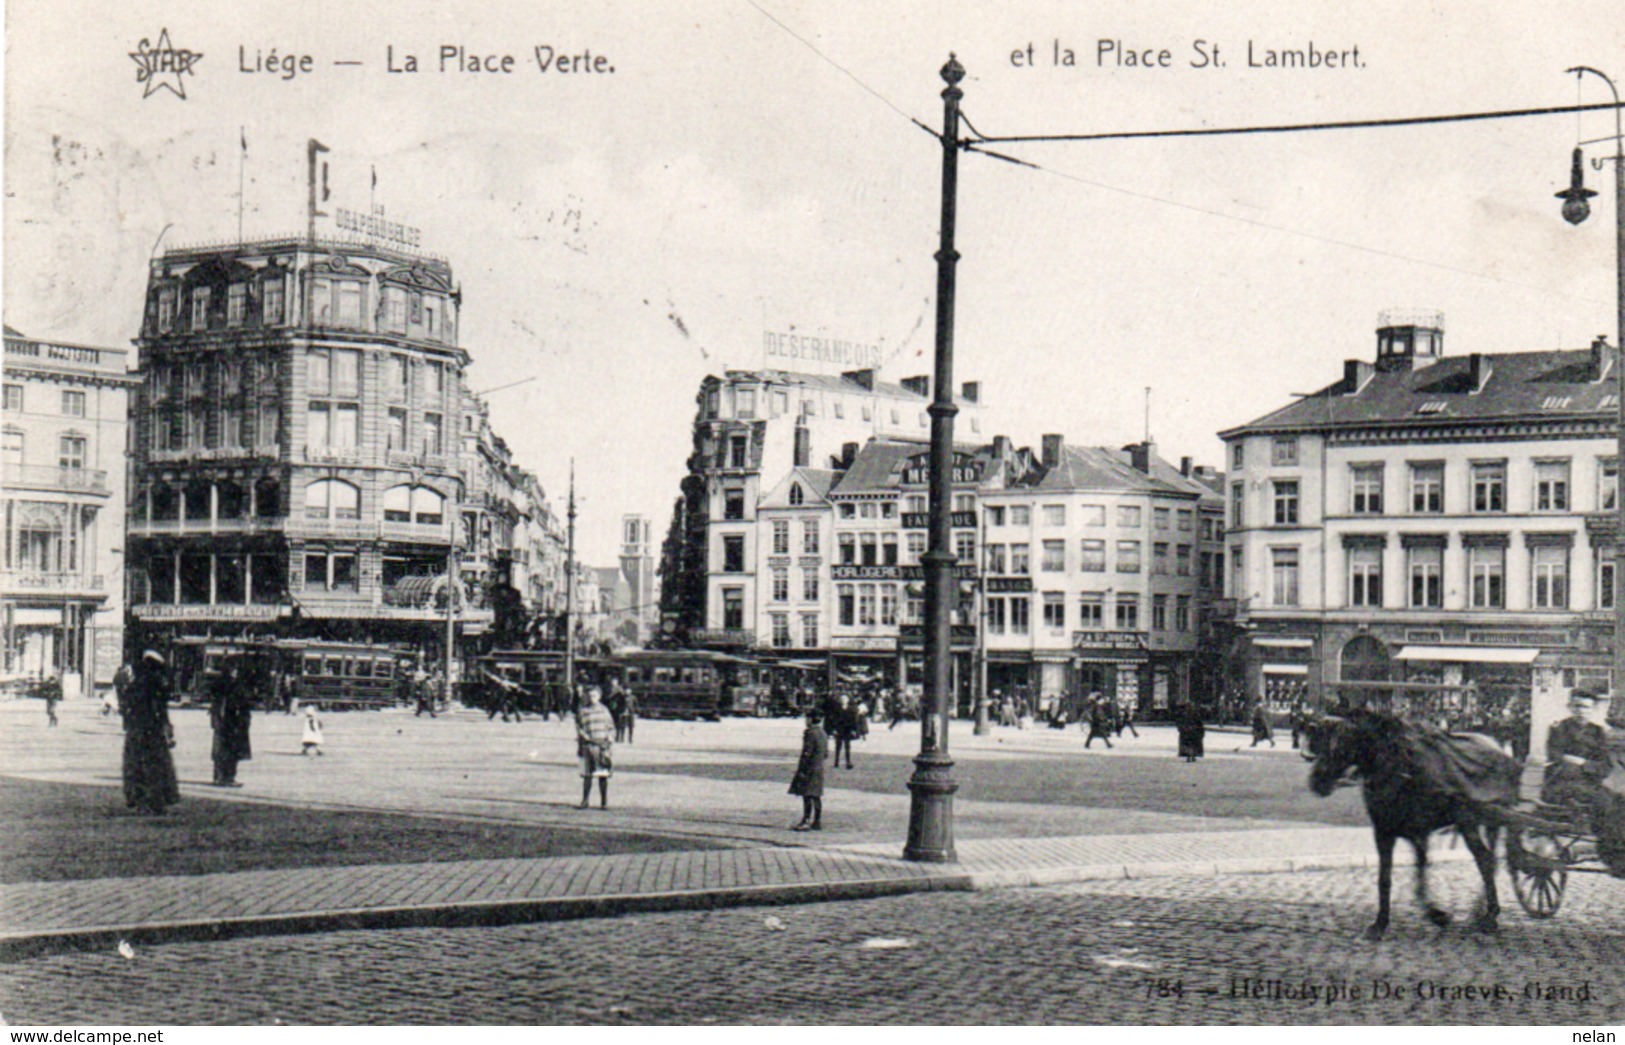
(161, 65)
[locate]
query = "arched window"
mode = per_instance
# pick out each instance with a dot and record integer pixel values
(428, 507)
(332, 499)
(40, 544)
(796, 496)
(417, 504)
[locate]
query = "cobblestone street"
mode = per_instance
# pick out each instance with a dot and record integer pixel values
(1110, 952)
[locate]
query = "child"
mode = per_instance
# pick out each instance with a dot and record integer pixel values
(312, 739)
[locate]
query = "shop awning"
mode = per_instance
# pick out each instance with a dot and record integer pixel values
(1470, 654)
(1283, 643)
(1286, 669)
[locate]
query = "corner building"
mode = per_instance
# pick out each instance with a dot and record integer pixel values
(296, 441)
(1446, 521)
(62, 511)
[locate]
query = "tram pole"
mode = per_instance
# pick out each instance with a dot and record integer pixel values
(570, 590)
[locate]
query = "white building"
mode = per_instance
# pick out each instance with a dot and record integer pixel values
(1432, 519)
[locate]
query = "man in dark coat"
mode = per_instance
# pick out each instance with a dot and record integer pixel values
(1577, 756)
(1100, 720)
(230, 716)
(809, 779)
(842, 728)
(149, 769)
(1191, 732)
(1261, 725)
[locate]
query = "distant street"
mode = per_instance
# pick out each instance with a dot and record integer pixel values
(1160, 951)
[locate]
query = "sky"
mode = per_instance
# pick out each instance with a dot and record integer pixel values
(741, 166)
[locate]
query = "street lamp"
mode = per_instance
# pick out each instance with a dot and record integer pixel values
(1576, 210)
(931, 808)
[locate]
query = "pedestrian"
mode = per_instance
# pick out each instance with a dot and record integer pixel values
(123, 680)
(1100, 721)
(860, 720)
(230, 716)
(422, 695)
(311, 739)
(617, 710)
(51, 689)
(1261, 725)
(841, 729)
(595, 739)
(1126, 711)
(809, 779)
(149, 767)
(1191, 732)
(899, 710)
(629, 710)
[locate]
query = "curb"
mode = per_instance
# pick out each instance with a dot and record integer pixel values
(485, 913)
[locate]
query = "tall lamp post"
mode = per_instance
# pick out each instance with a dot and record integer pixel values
(931, 808)
(1576, 210)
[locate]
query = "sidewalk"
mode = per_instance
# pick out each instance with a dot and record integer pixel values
(50, 917)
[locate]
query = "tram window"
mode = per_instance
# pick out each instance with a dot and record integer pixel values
(385, 668)
(634, 675)
(335, 666)
(363, 668)
(313, 665)
(664, 674)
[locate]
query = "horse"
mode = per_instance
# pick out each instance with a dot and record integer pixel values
(1416, 781)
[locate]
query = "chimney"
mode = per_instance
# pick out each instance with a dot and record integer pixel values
(1001, 447)
(1356, 372)
(1478, 369)
(1599, 357)
(863, 378)
(1052, 446)
(1185, 467)
(920, 386)
(803, 446)
(971, 391)
(1141, 455)
(849, 453)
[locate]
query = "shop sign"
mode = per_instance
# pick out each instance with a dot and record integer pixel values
(864, 644)
(922, 520)
(723, 636)
(864, 573)
(964, 571)
(996, 585)
(1113, 640)
(165, 611)
(966, 469)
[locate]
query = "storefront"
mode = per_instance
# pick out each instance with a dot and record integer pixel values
(961, 663)
(1115, 664)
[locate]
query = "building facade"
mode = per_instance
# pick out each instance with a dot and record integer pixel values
(755, 424)
(297, 452)
(1434, 520)
(63, 472)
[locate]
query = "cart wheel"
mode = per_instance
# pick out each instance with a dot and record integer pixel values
(1538, 875)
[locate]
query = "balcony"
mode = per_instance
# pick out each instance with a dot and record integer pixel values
(214, 453)
(203, 527)
(68, 480)
(37, 582)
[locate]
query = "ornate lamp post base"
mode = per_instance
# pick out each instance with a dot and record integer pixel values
(931, 810)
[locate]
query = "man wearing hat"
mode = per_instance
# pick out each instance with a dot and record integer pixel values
(1577, 753)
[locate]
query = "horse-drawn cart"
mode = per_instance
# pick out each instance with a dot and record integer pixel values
(1544, 844)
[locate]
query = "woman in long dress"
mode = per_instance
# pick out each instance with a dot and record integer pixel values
(149, 768)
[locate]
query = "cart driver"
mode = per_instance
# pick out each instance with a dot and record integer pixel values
(1577, 755)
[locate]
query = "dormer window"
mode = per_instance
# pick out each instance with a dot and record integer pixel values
(796, 496)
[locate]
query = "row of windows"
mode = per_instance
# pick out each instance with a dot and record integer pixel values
(776, 403)
(71, 403)
(1486, 567)
(72, 450)
(809, 537)
(334, 372)
(1012, 614)
(779, 585)
(332, 499)
(333, 303)
(866, 549)
(779, 625)
(1552, 490)
(1129, 516)
(1166, 559)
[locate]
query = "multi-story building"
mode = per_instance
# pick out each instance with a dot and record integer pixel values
(63, 472)
(297, 441)
(1432, 519)
(752, 424)
(1092, 573)
(793, 524)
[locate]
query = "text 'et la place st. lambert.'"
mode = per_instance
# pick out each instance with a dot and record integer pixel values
(1200, 54)
(447, 58)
